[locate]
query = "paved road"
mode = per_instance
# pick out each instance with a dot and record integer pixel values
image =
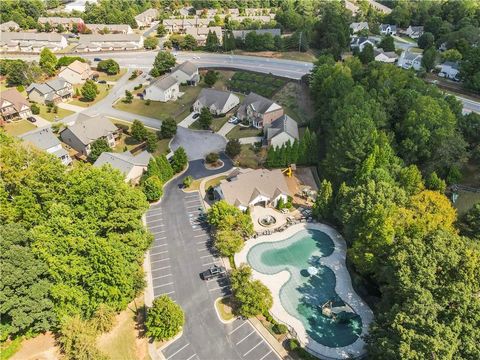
(469, 105)
(180, 252)
(198, 143)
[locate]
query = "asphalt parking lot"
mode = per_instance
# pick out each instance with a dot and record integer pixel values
(181, 250)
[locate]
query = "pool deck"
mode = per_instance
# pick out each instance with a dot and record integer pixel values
(343, 287)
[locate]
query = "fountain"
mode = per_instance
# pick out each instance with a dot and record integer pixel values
(267, 220)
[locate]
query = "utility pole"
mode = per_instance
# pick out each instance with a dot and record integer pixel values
(300, 41)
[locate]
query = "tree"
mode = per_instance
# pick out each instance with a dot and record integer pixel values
(138, 130)
(35, 109)
(60, 28)
(229, 41)
(211, 78)
(150, 42)
(470, 222)
(224, 216)
(104, 319)
(128, 97)
(109, 66)
(212, 158)
(48, 61)
(168, 128)
(451, 55)
(161, 30)
(253, 298)
(425, 41)
(162, 63)
(387, 43)
(212, 43)
(89, 90)
(153, 188)
(205, 118)
(469, 69)
(98, 147)
(429, 58)
(433, 182)
(322, 208)
(151, 140)
(67, 60)
(189, 42)
(367, 55)
(165, 319)
(179, 160)
(233, 148)
(228, 242)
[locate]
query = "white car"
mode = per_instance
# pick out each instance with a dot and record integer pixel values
(196, 57)
(233, 120)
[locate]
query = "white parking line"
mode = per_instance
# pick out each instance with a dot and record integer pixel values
(153, 221)
(154, 216)
(264, 356)
(193, 206)
(157, 232)
(218, 278)
(204, 249)
(156, 226)
(218, 288)
(191, 196)
(154, 212)
(162, 268)
(210, 263)
(176, 352)
(204, 256)
(161, 252)
(238, 327)
(249, 351)
(200, 235)
(191, 356)
(245, 338)
(159, 286)
(157, 246)
(159, 277)
(154, 261)
(195, 200)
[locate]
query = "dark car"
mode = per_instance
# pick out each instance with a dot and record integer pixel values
(102, 81)
(97, 59)
(196, 115)
(31, 119)
(213, 272)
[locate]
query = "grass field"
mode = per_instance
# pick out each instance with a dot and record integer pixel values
(262, 84)
(50, 116)
(217, 123)
(106, 77)
(224, 308)
(159, 110)
(465, 201)
(19, 127)
(241, 132)
(103, 91)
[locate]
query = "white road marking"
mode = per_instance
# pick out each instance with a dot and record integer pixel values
(192, 356)
(156, 226)
(159, 286)
(238, 327)
(205, 256)
(264, 356)
(176, 352)
(153, 221)
(196, 200)
(210, 263)
(245, 338)
(161, 238)
(204, 249)
(158, 245)
(193, 206)
(159, 277)
(198, 235)
(154, 261)
(249, 351)
(162, 268)
(218, 288)
(158, 232)
(161, 252)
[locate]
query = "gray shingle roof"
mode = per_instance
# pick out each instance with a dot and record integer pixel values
(187, 67)
(88, 129)
(209, 97)
(283, 124)
(164, 82)
(123, 161)
(258, 102)
(50, 86)
(43, 138)
(97, 38)
(30, 36)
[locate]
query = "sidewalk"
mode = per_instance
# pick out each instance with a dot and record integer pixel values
(189, 120)
(71, 107)
(41, 122)
(250, 140)
(226, 128)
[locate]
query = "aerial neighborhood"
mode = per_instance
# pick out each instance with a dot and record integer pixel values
(251, 180)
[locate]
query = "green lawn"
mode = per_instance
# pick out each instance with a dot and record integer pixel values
(103, 91)
(465, 201)
(249, 157)
(106, 77)
(159, 110)
(50, 116)
(130, 143)
(242, 132)
(214, 182)
(217, 123)
(19, 127)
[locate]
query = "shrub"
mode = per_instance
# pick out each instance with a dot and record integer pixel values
(147, 102)
(187, 181)
(109, 66)
(35, 109)
(280, 329)
(233, 148)
(125, 128)
(153, 188)
(104, 319)
(168, 128)
(179, 160)
(137, 87)
(20, 88)
(212, 158)
(165, 319)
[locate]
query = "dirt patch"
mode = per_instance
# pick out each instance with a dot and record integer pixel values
(41, 347)
(301, 179)
(296, 100)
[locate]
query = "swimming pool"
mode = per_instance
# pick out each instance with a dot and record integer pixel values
(303, 295)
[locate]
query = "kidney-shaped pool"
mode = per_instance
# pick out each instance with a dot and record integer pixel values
(304, 294)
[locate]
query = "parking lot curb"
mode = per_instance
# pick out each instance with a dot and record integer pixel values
(269, 339)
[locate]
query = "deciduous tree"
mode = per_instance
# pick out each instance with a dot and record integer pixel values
(165, 319)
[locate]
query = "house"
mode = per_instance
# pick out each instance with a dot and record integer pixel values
(76, 73)
(259, 111)
(27, 41)
(385, 56)
(13, 105)
(360, 42)
(132, 166)
(449, 70)
(217, 101)
(200, 34)
(163, 89)
(206, 12)
(146, 18)
(409, 60)
(387, 29)
(358, 26)
(380, 7)
(181, 25)
(109, 28)
(85, 130)
(186, 72)
(66, 22)
(50, 92)
(241, 34)
(414, 32)
(9, 26)
(281, 131)
(254, 187)
(186, 11)
(117, 42)
(44, 139)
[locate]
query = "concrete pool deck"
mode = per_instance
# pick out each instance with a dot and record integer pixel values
(343, 287)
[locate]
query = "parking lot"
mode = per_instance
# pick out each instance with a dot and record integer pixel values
(181, 251)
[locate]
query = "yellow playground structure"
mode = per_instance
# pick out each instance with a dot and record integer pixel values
(289, 171)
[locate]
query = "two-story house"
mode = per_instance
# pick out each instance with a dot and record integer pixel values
(66, 22)
(186, 73)
(409, 60)
(13, 105)
(163, 89)
(50, 92)
(217, 101)
(388, 29)
(76, 73)
(44, 139)
(86, 130)
(259, 111)
(131, 166)
(146, 18)
(414, 32)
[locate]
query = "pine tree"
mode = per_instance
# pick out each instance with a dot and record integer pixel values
(288, 153)
(271, 155)
(295, 148)
(165, 169)
(282, 157)
(304, 148)
(313, 150)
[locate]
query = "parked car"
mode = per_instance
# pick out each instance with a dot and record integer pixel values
(97, 59)
(213, 272)
(196, 115)
(102, 81)
(196, 57)
(31, 119)
(233, 120)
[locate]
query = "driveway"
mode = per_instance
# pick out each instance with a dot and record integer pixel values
(41, 122)
(250, 140)
(197, 170)
(181, 250)
(198, 143)
(225, 129)
(189, 120)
